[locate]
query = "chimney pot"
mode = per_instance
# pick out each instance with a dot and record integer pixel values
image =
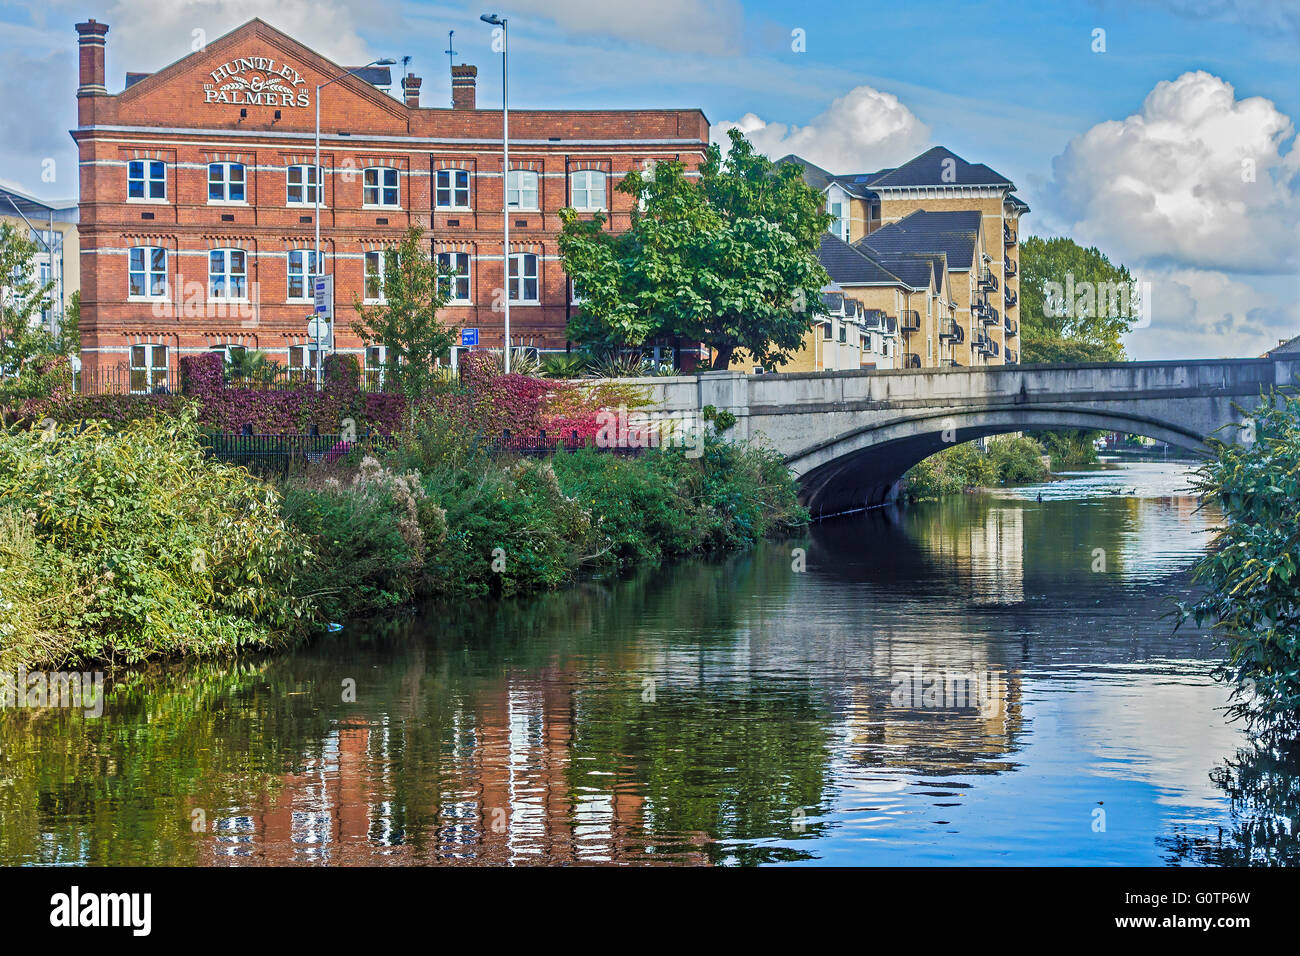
(90, 58)
(462, 86)
(411, 90)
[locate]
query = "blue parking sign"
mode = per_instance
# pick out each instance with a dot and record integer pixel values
(468, 337)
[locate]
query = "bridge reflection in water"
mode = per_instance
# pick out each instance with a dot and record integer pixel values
(730, 712)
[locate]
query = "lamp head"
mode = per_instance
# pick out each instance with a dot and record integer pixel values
(492, 18)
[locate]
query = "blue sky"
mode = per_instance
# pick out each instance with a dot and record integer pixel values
(1135, 149)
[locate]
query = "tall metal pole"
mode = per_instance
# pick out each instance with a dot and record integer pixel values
(316, 271)
(505, 166)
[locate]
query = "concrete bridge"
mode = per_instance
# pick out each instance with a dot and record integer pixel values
(850, 436)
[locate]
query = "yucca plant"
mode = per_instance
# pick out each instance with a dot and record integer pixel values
(620, 364)
(564, 365)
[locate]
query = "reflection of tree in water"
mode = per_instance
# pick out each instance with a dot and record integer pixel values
(1263, 786)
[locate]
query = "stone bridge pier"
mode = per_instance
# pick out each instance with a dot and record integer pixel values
(850, 436)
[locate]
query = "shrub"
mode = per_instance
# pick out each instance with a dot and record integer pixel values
(950, 472)
(143, 547)
(1251, 570)
(366, 533)
(1017, 459)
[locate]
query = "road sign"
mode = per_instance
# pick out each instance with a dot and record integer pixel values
(323, 296)
(321, 330)
(468, 337)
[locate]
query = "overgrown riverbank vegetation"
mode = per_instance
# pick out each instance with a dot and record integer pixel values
(1010, 460)
(123, 543)
(1251, 570)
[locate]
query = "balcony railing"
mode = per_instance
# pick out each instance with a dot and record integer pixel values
(1010, 297)
(952, 331)
(1011, 268)
(988, 281)
(911, 360)
(1011, 326)
(1013, 357)
(909, 320)
(1008, 235)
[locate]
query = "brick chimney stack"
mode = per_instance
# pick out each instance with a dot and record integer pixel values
(411, 90)
(90, 43)
(462, 86)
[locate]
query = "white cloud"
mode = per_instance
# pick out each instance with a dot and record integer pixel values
(863, 130)
(1201, 313)
(694, 26)
(1172, 184)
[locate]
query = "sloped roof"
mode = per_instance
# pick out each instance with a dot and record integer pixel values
(939, 166)
(848, 265)
(954, 233)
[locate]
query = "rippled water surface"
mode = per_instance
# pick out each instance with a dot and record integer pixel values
(987, 679)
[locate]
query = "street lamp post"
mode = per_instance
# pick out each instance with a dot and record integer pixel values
(502, 22)
(317, 270)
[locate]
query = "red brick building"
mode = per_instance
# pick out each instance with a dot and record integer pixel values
(198, 203)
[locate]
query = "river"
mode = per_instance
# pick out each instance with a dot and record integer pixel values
(988, 679)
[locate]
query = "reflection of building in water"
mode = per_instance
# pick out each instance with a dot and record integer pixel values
(498, 791)
(985, 549)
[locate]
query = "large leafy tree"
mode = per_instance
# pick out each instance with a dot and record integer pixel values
(26, 345)
(1086, 326)
(728, 258)
(406, 320)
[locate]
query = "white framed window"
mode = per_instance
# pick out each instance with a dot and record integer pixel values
(587, 190)
(840, 227)
(226, 183)
(228, 274)
(148, 368)
(303, 360)
(146, 179)
(457, 263)
(376, 358)
(451, 189)
(302, 184)
(523, 277)
(521, 189)
(229, 353)
(147, 273)
(379, 186)
(376, 264)
(302, 266)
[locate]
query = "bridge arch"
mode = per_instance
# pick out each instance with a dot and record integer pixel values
(861, 468)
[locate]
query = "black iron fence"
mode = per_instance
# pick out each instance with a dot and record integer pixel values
(125, 380)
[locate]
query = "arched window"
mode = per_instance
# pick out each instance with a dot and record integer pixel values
(227, 274)
(523, 277)
(451, 189)
(379, 186)
(587, 190)
(521, 189)
(458, 264)
(303, 181)
(226, 182)
(147, 273)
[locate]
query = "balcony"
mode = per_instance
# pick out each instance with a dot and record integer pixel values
(951, 331)
(911, 360)
(909, 320)
(989, 315)
(988, 281)
(1010, 297)
(1011, 326)
(1008, 235)
(1013, 357)
(1011, 268)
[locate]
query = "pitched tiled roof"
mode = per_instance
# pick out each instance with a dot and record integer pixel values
(850, 266)
(939, 167)
(953, 233)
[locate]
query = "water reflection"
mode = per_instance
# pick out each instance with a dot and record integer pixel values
(951, 683)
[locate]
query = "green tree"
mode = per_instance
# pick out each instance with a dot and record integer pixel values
(728, 259)
(1087, 324)
(70, 327)
(413, 290)
(26, 345)
(1251, 570)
